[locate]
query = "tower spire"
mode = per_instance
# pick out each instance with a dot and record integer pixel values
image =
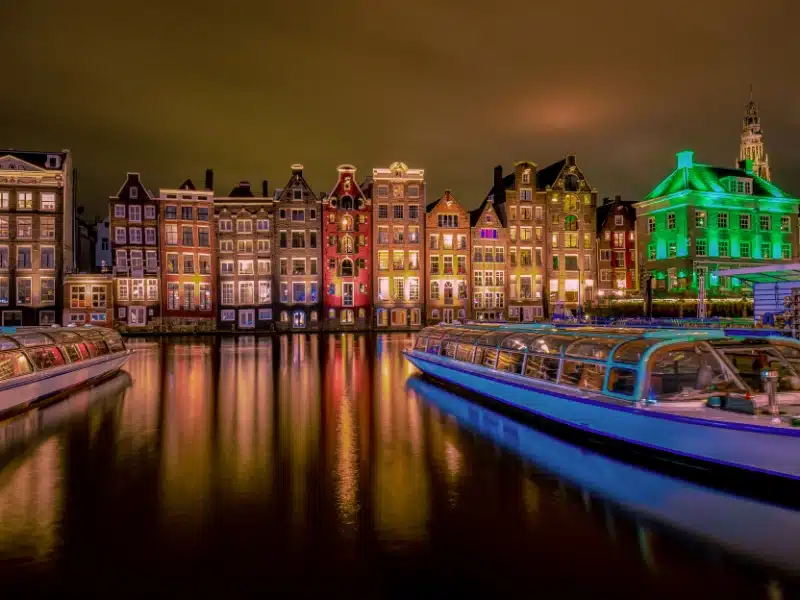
(751, 143)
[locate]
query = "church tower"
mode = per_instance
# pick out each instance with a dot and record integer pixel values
(751, 146)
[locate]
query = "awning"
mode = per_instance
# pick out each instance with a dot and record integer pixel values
(768, 273)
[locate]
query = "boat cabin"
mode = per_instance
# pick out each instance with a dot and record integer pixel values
(692, 367)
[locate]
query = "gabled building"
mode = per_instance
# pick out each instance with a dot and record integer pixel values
(703, 218)
(188, 253)
(298, 254)
(37, 230)
(489, 247)
(570, 206)
(449, 273)
(244, 237)
(347, 253)
(398, 232)
(134, 230)
(524, 212)
(617, 266)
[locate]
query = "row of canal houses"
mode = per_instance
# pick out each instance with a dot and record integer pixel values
(368, 254)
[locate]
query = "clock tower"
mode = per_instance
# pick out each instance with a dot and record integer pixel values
(751, 145)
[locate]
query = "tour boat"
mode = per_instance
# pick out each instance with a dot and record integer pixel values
(39, 363)
(699, 398)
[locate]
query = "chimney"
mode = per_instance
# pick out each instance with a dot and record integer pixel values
(265, 189)
(297, 169)
(685, 159)
(606, 200)
(499, 188)
(209, 179)
(617, 198)
(570, 160)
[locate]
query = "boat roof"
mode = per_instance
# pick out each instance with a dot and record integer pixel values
(769, 273)
(42, 336)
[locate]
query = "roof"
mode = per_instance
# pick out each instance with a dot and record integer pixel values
(767, 273)
(604, 210)
(36, 158)
(499, 209)
(706, 178)
(447, 196)
(548, 175)
(187, 185)
(242, 190)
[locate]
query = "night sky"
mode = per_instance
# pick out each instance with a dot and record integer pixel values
(171, 87)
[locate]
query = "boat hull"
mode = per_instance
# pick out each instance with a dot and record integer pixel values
(20, 392)
(751, 449)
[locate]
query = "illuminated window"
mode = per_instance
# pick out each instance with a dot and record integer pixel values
(722, 220)
(571, 223)
(526, 194)
(434, 290)
(744, 249)
(700, 218)
(766, 250)
(724, 248)
(651, 252)
(570, 202)
(786, 251)
(673, 250)
(670, 221)
(651, 225)
(538, 212)
(765, 222)
(786, 223)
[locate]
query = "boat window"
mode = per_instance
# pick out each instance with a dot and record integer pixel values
(510, 362)
(63, 337)
(622, 381)
(83, 350)
(102, 348)
(115, 343)
(689, 370)
(90, 347)
(46, 357)
(8, 344)
(421, 342)
(597, 348)
(493, 338)
(33, 338)
(588, 376)
(14, 364)
(470, 336)
(541, 367)
(550, 344)
(72, 352)
(449, 349)
(749, 360)
(791, 354)
(485, 356)
(519, 341)
(464, 352)
(632, 352)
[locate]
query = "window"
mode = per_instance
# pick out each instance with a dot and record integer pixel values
(618, 220)
(264, 292)
(383, 210)
(538, 213)
(202, 213)
(187, 214)
(722, 220)
(171, 234)
(262, 225)
(24, 200)
(297, 194)
(24, 290)
(265, 314)
(765, 222)
(172, 263)
(413, 191)
(188, 296)
(724, 248)
(555, 263)
(3, 257)
(434, 290)
(526, 194)
(298, 266)
(413, 234)
(413, 210)
(137, 289)
(619, 239)
(312, 239)
(298, 239)
(246, 292)
(299, 291)
(449, 221)
(135, 213)
(3, 227)
(24, 257)
(149, 212)
(265, 266)
(298, 215)
(203, 236)
(188, 263)
(228, 315)
(786, 223)
(4, 199)
(227, 293)
(383, 191)
(397, 211)
(135, 235)
(48, 257)
(398, 260)
(413, 289)
(673, 250)
(152, 290)
(488, 254)
(187, 235)
(619, 260)
(434, 265)
(263, 246)
(150, 236)
(78, 296)
(571, 223)
(766, 250)
(700, 248)
(786, 251)
(246, 267)
(670, 221)
(47, 228)
(282, 239)
(744, 249)
(700, 218)
(225, 225)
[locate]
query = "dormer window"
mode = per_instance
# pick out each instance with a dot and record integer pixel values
(739, 185)
(133, 192)
(53, 161)
(526, 176)
(297, 194)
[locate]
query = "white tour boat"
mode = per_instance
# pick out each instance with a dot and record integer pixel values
(726, 404)
(39, 363)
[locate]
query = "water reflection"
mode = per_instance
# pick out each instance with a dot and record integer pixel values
(320, 459)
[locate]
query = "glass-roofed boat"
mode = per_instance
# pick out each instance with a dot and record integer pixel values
(38, 362)
(729, 403)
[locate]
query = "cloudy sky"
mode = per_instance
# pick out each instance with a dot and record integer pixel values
(168, 88)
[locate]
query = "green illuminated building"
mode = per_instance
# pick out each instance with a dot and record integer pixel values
(702, 218)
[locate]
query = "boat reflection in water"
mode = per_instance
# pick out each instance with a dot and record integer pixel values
(751, 529)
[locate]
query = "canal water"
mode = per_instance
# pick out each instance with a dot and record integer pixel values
(324, 465)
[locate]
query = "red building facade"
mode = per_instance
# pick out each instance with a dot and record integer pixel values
(616, 248)
(347, 214)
